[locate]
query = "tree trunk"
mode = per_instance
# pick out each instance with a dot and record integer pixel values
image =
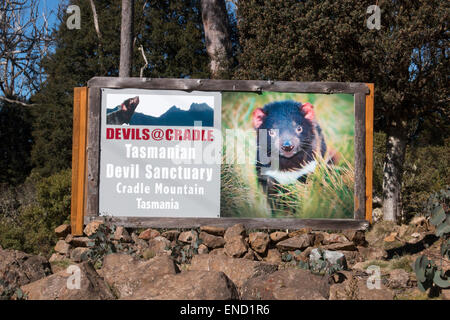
(217, 36)
(393, 171)
(126, 38)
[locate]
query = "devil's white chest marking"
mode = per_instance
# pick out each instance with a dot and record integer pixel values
(288, 177)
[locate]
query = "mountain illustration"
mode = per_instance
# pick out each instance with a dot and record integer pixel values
(174, 116)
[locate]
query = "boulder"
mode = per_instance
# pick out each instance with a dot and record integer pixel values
(371, 253)
(217, 231)
(92, 227)
(238, 270)
(18, 268)
(80, 254)
(62, 231)
(189, 285)
(278, 236)
(273, 256)
(398, 278)
(357, 289)
(149, 234)
(287, 284)
(331, 257)
(299, 242)
(212, 241)
(125, 274)
(358, 237)
(299, 232)
(62, 247)
(171, 234)
(232, 232)
(340, 246)
(62, 286)
(188, 237)
(218, 251)
(334, 238)
(159, 245)
(259, 241)
(236, 247)
(202, 249)
(121, 234)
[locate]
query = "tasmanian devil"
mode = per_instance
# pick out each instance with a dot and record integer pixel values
(292, 130)
(124, 112)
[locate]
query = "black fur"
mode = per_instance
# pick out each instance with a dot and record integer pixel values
(287, 117)
(124, 113)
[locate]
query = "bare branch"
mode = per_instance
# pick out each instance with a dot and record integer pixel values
(17, 102)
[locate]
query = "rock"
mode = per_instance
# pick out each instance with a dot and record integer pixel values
(125, 274)
(69, 238)
(18, 268)
(300, 242)
(287, 284)
(212, 241)
(250, 255)
(82, 242)
(92, 227)
(80, 254)
(273, 256)
(62, 231)
(358, 237)
(445, 294)
(415, 235)
(331, 257)
(238, 270)
(391, 238)
(149, 234)
(159, 245)
(398, 278)
(236, 247)
(299, 232)
(371, 253)
(357, 289)
(360, 267)
(188, 237)
(217, 231)
(259, 241)
(189, 285)
(218, 251)
(56, 257)
(419, 221)
(62, 247)
(335, 238)
(202, 249)
(121, 234)
(171, 234)
(236, 230)
(278, 236)
(55, 287)
(345, 246)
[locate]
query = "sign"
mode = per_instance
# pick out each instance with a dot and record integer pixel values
(164, 160)
(181, 153)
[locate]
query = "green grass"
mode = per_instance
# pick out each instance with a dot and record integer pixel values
(328, 192)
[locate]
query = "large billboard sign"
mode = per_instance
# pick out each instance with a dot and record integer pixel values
(183, 153)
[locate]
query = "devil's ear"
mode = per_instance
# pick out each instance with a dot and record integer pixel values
(308, 110)
(258, 117)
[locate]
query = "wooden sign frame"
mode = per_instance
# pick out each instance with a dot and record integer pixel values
(86, 151)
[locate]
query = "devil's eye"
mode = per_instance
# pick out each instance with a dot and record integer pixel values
(299, 129)
(272, 132)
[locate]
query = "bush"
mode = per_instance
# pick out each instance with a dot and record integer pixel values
(44, 203)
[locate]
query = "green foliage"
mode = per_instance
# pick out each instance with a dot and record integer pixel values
(30, 226)
(428, 273)
(16, 141)
(103, 244)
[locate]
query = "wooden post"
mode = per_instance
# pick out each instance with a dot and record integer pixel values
(126, 38)
(78, 159)
(369, 150)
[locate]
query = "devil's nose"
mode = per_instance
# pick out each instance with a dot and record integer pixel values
(287, 146)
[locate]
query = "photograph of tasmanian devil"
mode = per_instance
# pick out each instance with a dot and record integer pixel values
(289, 142)
(122, 114)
